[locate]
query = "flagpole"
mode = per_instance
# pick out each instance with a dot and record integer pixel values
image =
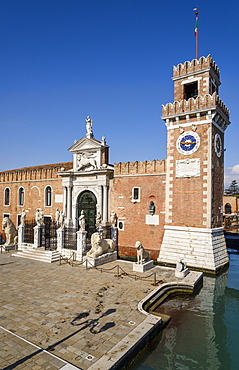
(196, 31)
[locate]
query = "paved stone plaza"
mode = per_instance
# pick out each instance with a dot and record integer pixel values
(58, 317)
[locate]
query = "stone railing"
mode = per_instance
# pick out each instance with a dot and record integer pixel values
(138, 167)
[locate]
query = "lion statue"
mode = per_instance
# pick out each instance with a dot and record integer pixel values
(10, 231)
(100, 245)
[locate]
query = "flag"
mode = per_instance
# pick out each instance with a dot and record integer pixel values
(196, 24)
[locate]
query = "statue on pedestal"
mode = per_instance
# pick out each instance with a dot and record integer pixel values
(61, 220)
(100, 246)
(10, 231)
(142, 254)
(89, 124)
(23, 218)
(113, 219)
(39, 217)
(57, 217)
(82, 221)
(98, 220)
(181, 269)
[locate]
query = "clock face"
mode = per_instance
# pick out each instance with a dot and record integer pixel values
(188, 142)
(218, 145)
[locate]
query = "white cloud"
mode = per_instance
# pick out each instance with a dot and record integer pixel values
(235, 169)
(231, 173)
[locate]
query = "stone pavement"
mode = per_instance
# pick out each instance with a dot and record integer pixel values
(73, 315)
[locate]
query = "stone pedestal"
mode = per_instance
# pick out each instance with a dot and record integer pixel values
(81, 245)
(114, 235)
(204, 249)
(38, 235)
(181, 274)
(60, 239)
(138, 267)
(21, 231)
(104, 258)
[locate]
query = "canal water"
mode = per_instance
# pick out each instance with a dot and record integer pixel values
(204, 329)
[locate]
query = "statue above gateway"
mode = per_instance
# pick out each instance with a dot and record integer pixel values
(89, 124)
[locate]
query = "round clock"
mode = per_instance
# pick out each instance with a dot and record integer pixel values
(188, 142)
(218, 145)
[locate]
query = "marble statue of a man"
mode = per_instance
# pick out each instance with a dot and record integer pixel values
(89, 124)
(82, 221)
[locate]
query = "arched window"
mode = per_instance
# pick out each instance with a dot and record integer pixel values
(21, 197)
(7, 197)
(228, 208)
(48, 196)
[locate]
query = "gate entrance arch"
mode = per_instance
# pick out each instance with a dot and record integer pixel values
(87, 202)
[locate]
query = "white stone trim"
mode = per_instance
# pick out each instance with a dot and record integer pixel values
(190, 79)
(202, 248)
(142, 174)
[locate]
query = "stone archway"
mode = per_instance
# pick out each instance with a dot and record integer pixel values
(87, 202)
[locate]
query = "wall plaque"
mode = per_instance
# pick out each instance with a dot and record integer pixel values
(188, 168)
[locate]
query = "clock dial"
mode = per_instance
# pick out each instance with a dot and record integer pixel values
(218, 145)
(188, 142)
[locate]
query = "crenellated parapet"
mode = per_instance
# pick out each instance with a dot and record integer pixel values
(35, 173)
(196, 65)
(195, 104)
(139, 168)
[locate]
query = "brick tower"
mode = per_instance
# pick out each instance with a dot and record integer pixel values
(195, 122)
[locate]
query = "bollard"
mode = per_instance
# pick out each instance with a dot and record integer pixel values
(155, 278)
(86, 264)
(117, 270)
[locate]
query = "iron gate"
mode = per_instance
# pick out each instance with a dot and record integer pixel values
(50, 238)
(29, 231)
(70, 238)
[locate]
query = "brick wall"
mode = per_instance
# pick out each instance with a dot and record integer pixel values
(149, 177)
(34, 181)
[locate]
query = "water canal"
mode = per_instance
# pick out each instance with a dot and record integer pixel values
(204, 329)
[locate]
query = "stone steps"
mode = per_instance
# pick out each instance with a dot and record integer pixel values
(38, 255)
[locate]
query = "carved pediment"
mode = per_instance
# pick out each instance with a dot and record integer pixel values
(85, 144)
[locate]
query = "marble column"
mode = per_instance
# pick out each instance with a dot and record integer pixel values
(65, 200)
(105, 204)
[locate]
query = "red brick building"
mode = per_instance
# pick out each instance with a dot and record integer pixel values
(173, 206)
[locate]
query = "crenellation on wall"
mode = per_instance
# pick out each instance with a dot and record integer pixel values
(196, 65)
(34, 173)
(194, 104)
(136, 168)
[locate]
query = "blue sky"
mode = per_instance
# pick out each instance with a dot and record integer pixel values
(62, 60)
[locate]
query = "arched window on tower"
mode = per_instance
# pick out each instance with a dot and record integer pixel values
(48, 196)
(21, 196)
(228, 208)
(7, 197)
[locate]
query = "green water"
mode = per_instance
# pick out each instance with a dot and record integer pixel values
(204, 329)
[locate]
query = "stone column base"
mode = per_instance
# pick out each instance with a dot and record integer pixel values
(204, 249)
